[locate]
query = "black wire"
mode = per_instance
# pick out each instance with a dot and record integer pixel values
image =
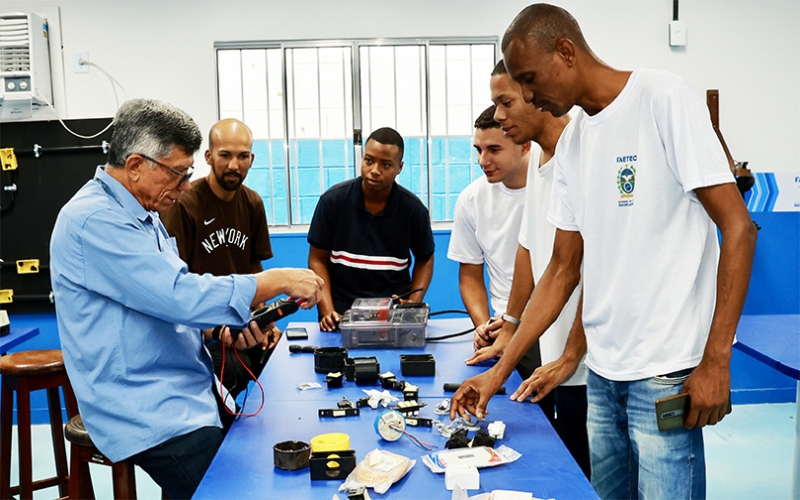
(450, 335)
(448, 311)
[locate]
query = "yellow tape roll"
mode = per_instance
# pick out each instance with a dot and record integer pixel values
(334, 441)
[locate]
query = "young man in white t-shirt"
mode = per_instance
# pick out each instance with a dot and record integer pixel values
(487, 218)
(640, 183)
(559, 386)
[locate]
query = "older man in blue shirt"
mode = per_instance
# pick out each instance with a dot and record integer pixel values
(130, 314)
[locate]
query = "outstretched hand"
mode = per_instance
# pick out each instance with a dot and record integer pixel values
(544, 379)
(473, 396)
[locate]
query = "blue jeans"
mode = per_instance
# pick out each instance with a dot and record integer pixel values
(179, 464)
(630, 457)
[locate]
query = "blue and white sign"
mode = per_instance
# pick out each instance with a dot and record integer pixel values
(774, 192)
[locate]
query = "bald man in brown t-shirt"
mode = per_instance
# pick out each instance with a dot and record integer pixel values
(221, 228)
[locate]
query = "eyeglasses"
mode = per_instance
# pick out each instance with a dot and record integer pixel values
(184, 176)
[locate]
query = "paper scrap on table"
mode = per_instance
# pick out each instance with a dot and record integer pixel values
(510, 495)
(459, 494)
(309, 385)
(479, 456)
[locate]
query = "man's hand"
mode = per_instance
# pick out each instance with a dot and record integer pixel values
(329, 322)
(304, 283)
(250, 336)
(473, 395)
(485, 333)
(493, 351)
(544, 379)
(709, 388)
(272, 335)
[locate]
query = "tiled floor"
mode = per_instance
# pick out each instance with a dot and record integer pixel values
(748, 456)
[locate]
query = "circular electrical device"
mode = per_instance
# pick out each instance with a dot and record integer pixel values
(390, 425)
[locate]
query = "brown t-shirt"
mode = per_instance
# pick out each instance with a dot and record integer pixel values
(216, 236)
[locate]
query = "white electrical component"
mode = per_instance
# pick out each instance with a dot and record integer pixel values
(496, 429)
(24, 65)
(390, 425)
(466, 477)
(677, 34)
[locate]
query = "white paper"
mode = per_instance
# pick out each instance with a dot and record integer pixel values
(479, 456)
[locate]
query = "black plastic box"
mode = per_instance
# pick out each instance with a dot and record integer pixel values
(417, 365)
(322, 468)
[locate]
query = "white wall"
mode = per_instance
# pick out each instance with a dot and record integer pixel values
(748, 49)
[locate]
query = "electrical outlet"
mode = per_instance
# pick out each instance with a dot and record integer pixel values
(77, 58)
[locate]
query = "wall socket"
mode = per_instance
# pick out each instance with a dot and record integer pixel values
(77, 66)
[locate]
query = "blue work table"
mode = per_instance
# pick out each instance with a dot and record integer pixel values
(243, 467)
(775, 340)
(16, 337)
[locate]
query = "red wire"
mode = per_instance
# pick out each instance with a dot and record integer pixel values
(222, 377)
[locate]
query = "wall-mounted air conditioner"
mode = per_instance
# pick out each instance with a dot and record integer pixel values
(24, 66)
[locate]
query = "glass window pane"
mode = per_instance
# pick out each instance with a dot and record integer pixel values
(229, 75)
(409, 87)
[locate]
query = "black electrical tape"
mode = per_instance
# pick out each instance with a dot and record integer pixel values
(295, 348)
(291, 455)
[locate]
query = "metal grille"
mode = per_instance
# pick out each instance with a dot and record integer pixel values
(15, 52)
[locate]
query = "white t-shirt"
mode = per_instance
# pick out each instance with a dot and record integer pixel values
(625, 178)
(485, 229)
(537, 234)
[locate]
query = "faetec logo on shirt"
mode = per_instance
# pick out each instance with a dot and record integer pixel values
(626, 180)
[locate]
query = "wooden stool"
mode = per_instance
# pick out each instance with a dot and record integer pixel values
(82, 453)
(26, 372)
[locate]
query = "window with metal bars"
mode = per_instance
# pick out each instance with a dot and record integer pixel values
(309, 104)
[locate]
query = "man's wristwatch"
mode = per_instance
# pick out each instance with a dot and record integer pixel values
(510, 319)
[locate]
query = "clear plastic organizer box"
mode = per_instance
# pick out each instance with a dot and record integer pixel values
(381, 323)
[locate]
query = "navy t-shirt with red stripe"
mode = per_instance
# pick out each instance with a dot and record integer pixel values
(370, 254)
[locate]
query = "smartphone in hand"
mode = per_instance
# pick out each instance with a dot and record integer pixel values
(671, 412)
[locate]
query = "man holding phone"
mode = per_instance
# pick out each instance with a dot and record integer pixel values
(641, 186)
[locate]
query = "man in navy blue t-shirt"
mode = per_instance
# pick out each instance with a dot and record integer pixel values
(364, 231)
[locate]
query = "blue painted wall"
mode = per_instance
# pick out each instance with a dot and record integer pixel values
(774, 289)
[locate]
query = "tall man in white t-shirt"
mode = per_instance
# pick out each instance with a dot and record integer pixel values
(640, 183)
(487, 218)
(559, 386)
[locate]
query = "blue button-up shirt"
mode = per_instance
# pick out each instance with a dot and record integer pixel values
(129, 315)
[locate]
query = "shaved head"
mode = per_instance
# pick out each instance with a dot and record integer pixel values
(229, 127)
(230, 156)
(544, 25)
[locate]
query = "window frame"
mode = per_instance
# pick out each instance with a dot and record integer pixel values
(355, 45)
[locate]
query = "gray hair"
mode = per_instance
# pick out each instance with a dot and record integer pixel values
(152, 128)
